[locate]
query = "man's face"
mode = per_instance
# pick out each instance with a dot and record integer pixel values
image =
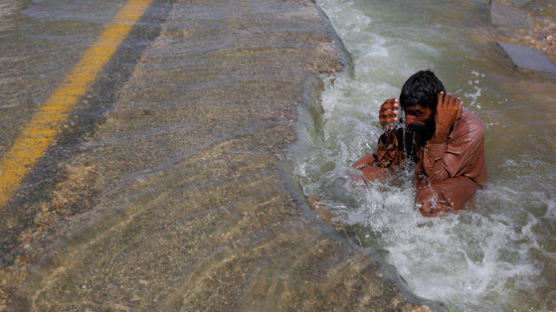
(419, 119)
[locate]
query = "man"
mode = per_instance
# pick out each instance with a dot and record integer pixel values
(445, 141)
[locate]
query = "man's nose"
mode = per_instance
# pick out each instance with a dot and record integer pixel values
(409, 119)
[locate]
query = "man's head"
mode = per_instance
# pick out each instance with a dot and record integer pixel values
(418, 100)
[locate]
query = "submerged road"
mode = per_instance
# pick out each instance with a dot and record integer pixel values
(153, 175)
(46, 124)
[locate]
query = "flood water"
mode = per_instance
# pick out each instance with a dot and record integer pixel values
(500, 257)
(145, 178)
(39, 45)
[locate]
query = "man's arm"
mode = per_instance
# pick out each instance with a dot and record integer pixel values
(370, 169)
(365, 161)
(368, 166)
(448, 110)
(440, 160)
(375, 166)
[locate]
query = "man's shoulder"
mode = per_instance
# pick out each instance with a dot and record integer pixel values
(470, 124)
(469, 117)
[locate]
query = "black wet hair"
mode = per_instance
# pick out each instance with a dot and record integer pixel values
(421, 88)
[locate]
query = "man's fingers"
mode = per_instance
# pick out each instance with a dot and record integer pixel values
(440, 99)
(389, 104)
(389, 117)
(388, 113)
(385, 111)
(453, 101)
(384, 121)
(447, 100)
(457, 104)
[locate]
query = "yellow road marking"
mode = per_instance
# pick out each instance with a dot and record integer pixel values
(41, 131)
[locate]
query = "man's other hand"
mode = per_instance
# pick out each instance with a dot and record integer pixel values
(365, 161)
(448, 110)
(388, 112)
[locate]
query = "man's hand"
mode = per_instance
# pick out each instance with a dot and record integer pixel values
(370, 171)
(448, 110)
(374, 173)
(388, 112)
(365, 161)
(427, 203)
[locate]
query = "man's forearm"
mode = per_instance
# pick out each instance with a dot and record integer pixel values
(389, 151)
(373, 172)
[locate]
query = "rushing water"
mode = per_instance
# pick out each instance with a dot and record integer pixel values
(501, 256)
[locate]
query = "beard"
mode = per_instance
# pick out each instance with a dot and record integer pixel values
(421, 132)
(416, 135)
(416, 129)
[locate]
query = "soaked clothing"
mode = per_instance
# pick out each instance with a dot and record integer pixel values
(462, 155)
(453, 171)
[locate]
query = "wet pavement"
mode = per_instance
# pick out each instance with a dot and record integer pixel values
(168, 188)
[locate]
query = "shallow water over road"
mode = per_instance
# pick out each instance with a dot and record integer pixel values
(166, 189)
(501, 256)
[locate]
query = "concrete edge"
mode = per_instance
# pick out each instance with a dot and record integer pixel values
(344, 55)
